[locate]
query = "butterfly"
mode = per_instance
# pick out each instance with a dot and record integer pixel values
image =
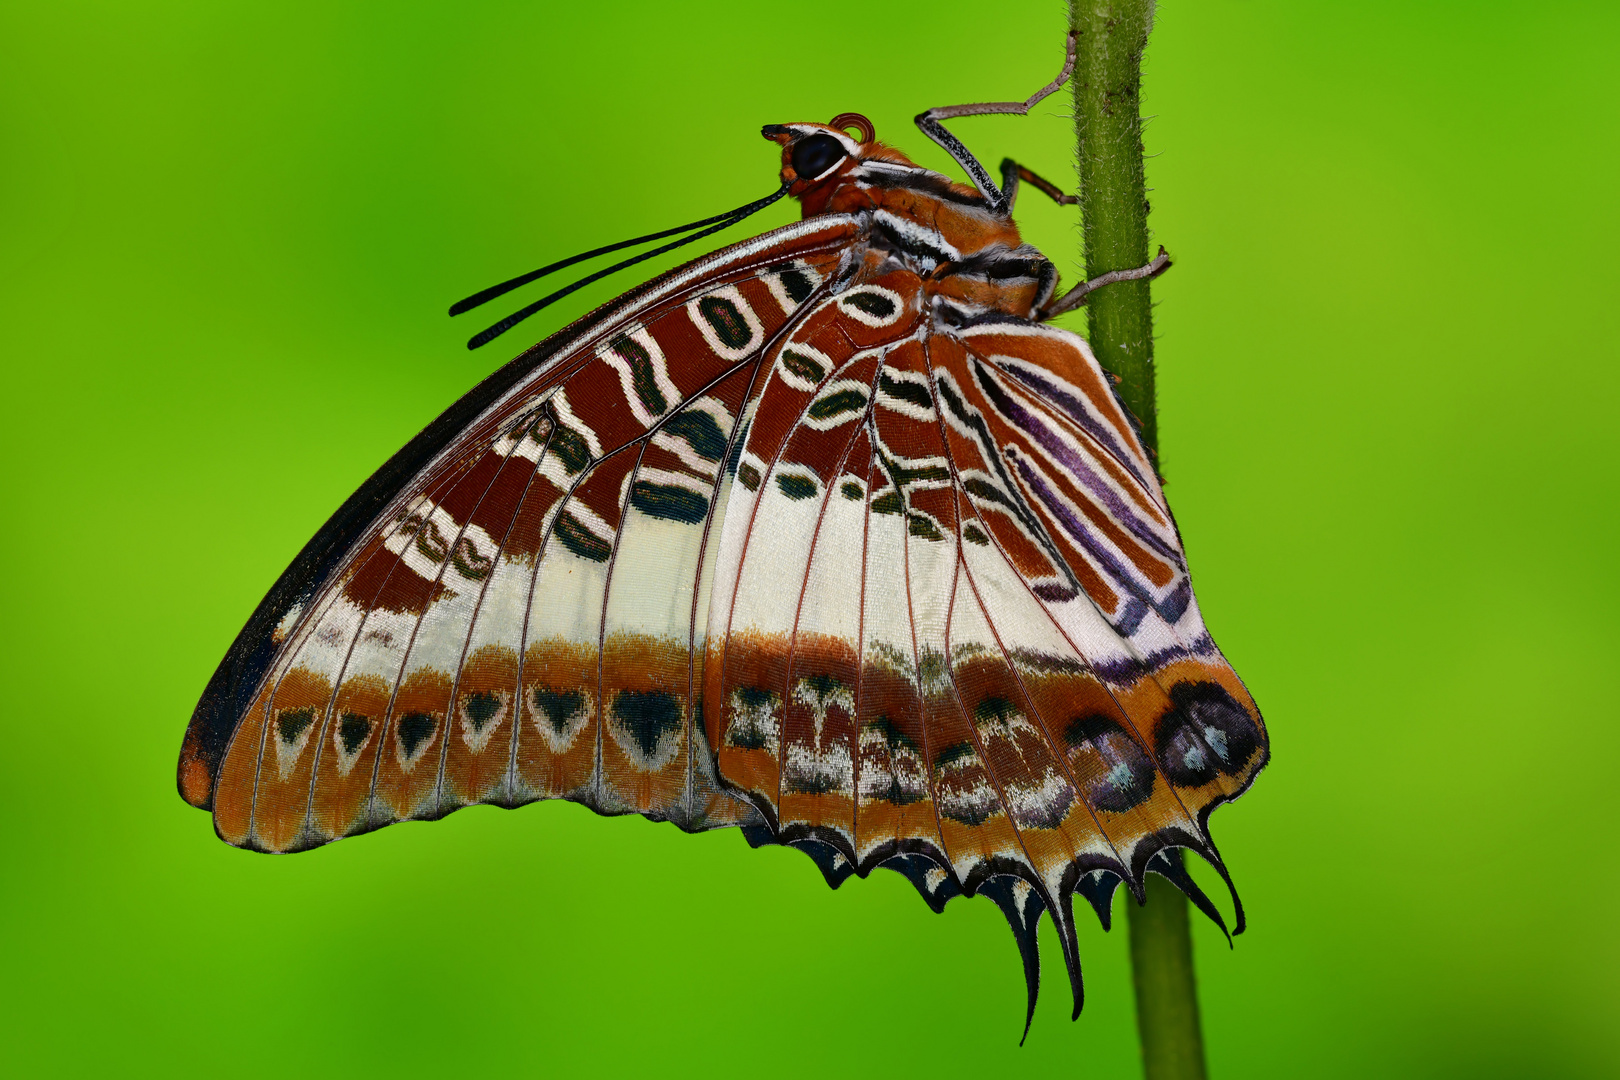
(830, 536)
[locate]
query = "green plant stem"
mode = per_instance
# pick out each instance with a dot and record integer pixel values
(1112, 35)
(1166, 991)
(1113, 195)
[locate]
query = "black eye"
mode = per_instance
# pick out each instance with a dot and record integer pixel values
(815, 155)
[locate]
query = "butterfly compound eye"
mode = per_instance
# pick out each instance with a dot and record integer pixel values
(815, 155)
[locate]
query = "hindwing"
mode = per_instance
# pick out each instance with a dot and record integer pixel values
(952, 630)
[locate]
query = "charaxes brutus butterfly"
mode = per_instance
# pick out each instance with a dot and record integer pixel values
(829, 535)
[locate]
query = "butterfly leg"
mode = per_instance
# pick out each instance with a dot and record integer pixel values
(1077, 295)
(1012, 173)
(929, 123)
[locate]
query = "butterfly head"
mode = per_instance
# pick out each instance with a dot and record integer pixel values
(818, 158)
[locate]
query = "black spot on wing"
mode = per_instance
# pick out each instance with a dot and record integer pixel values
(905, 390)
(669, 502)
(1204, 733)
(839, 402)
(1116, 771)
(727, 321)
(952, 754)
(580, 540)
(352, 732)
(571, 448)
(642, 375)
(874, 304)
(292, 723)
(559, 707)
(481, 707)
(700, 430)
(797, 284)
(647, 717)
(803, 365)
(796, 487)
(414, 729)
(923, 526)
(756, 715)
(900, 783)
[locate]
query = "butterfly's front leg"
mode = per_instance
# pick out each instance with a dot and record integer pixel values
(929, 123)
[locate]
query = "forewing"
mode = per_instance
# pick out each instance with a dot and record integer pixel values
(514, 608)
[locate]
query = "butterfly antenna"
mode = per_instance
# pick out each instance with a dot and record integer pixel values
(505, 287)
(730, 217)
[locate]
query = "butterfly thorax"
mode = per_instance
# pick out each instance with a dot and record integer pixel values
(971, 258)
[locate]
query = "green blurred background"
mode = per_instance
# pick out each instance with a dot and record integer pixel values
(1388, 381)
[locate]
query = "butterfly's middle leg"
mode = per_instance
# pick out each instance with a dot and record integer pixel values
(929, 123)
(1012, 173)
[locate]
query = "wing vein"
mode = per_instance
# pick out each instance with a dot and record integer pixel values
(738, 426)
(483, 591)
(331, 701)
(528, 607)
(416, 628)
(961, 555)
(916, 666)
(598, 781)
(973, 729)
(810, 557)
(860, 662)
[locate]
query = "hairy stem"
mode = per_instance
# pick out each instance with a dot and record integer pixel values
(1111, 36)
